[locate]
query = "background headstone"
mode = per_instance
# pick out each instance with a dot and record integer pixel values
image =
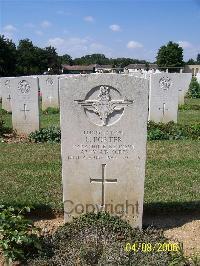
(49, 89)
(104, 131)
(183, 83)
(198, 77)
(6, 93)
(25, 104)
(163, 97)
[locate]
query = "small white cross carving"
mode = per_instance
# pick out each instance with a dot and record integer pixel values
(103, 180)
(25, 110)
(163, 109)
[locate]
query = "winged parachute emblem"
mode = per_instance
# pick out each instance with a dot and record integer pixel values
(103, 106)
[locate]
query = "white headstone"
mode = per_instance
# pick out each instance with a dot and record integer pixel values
(198, 77)
(6, 93)
(163, 98)
(157, 71)
(136, 74)
(49, 89)
(104, 131)
(183, 83)
(25, 104)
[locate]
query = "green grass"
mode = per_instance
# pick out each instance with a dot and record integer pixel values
(45, 120)
(49, 120)
(189, 116)
(30, 174)
(172, 173)
(191, 101)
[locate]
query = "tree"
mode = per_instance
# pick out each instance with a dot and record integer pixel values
(100, 59)
(66, 59)
(191, 62)
(27, 61)
(123, 62)
(198, 59)
(194, 89)
(170, 55)
(33, 60)
(8, 56)
(52, 60)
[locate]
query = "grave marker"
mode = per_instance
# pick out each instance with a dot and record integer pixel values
(103, 146)
(6, 93)
(163, 97)
(49, 89)
(183, 82)
(198, 77)
(25, 105)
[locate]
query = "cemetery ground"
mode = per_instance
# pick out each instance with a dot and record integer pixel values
(30, 175)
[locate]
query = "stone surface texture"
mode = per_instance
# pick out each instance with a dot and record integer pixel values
(103, 146)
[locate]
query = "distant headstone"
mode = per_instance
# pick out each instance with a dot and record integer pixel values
(136, 74)
(183, 83)
(198, 77)
(104, 131)
(49, 89)
(163, 98)
(6, 93)
(157, 71)
(25, 104)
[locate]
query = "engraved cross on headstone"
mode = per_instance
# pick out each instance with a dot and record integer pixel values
(9, 98)
(103, 180)
(163, 109)
(25, 110)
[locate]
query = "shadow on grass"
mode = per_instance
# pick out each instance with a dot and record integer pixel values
(41, 211)
(172, 214)
(159, 214)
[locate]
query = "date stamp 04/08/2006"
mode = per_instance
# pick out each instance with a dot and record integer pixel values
(155, 247)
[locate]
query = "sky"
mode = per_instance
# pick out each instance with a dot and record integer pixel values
(116, 28)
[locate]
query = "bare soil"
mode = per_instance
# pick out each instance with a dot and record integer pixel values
(13, 138)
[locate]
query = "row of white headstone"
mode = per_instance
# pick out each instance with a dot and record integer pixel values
(166, 92)
(103, 139)
(47, 85)
(20, 96)
(103, 135)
